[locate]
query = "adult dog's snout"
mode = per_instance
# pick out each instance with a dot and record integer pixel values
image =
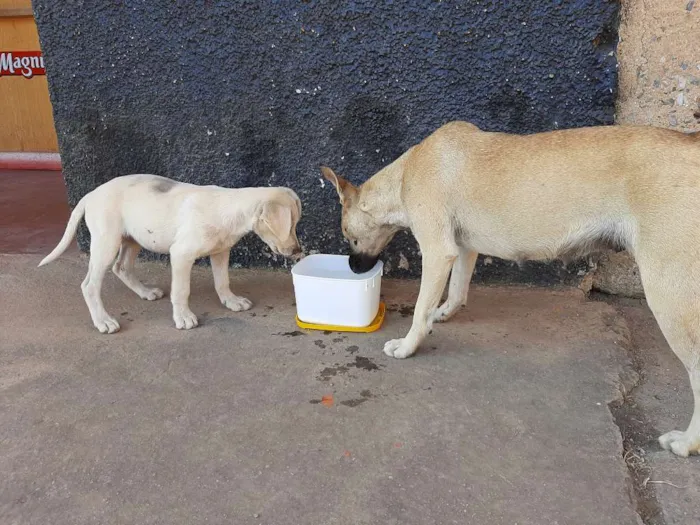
(361, 262)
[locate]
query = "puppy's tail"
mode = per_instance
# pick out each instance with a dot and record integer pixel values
(68, 235)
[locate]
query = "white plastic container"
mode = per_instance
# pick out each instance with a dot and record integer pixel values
(329, 293)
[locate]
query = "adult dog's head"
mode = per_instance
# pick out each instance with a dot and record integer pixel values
(276, 222)
(363, 221)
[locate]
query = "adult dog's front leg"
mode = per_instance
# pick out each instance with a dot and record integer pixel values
(181, 263)
(219, 267)
(436, 269)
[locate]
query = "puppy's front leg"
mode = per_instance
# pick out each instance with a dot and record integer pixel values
(219, 267)
(436, 269)
(181, 263)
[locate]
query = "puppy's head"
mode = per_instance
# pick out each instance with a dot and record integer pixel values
(276, 223)
(361, 222)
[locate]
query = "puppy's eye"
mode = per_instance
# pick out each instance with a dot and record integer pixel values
(355, 242)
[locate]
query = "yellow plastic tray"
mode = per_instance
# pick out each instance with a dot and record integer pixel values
(373, 326)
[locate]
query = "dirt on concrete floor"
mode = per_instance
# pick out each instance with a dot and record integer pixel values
(503, 417)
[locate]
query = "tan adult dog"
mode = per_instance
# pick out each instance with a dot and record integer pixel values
(463, 191)
(184, 220)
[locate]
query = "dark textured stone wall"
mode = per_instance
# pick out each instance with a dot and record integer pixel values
(261, 93)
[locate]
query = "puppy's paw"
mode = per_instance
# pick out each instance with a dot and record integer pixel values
(153, 294)
(107, 325)
(680, 443)
(184, 319)
(399, 349)
(237, 304)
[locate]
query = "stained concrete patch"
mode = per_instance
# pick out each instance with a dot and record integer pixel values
(501, 419)
(360, 363)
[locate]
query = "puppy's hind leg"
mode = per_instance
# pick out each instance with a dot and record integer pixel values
(124, 269)
(103, 249)
(219, 267)
(675, 302)
(462, 271)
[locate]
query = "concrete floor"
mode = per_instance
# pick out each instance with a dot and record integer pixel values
(504, 416)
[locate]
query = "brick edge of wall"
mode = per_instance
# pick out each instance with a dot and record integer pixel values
(30, 161)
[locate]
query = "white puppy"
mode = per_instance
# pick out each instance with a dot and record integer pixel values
(184, 220)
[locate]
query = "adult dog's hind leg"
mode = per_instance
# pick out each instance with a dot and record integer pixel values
(688, 442)
(124, 269)
(460, 278)
(675, 301)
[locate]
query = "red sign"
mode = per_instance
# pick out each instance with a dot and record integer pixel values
(21, 63)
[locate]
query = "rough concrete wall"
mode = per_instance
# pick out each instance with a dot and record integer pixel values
(659, 62)
(659, 75)
(263, 93)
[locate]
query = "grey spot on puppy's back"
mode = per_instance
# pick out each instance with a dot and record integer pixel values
(163, 185)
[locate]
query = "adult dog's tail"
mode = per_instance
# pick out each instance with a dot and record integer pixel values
(68, 235)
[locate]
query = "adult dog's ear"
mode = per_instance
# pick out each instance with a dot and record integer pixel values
(344, 188)
(278, 218)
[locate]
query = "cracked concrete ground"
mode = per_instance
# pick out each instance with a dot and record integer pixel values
(502, 418)
(662, 400)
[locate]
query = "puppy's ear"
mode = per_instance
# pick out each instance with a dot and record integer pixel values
(278, 218)
(344, 188)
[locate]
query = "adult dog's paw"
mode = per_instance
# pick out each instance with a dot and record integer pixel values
(680, 443)
(443, 313)
(399, 349)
